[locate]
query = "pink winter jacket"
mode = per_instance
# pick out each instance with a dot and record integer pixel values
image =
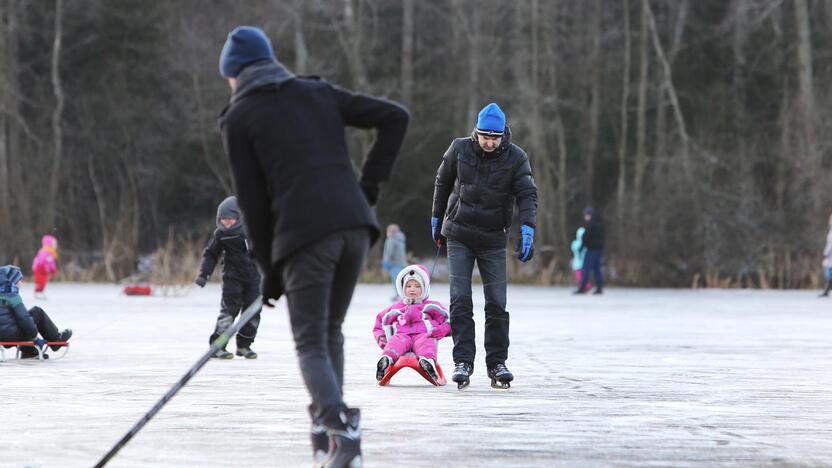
(413, 319)
(45, 259)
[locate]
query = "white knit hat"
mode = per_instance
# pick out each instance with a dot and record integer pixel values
(414, 272)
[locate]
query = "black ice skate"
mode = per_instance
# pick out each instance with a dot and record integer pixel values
(246, 353)
(462, 374)
(320, 444)
(382, 366)
(500, 376)
(346, 441)
(427, 365)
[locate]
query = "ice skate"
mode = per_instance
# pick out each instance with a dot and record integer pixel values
(500, 376)
(462, 374)
(320, 444)
(382, 366)
(346, 442)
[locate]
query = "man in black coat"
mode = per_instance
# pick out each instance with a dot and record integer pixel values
(593, 241)
(476, 187)
(308, 217)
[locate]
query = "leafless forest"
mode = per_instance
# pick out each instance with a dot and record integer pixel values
(698, 128)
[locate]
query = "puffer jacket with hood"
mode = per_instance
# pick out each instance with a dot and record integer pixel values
(238, 262)
(413, 316)
(16, 324)
(475, 192)
(46, 259)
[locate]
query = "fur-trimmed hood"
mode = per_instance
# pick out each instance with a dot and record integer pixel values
(420, 274)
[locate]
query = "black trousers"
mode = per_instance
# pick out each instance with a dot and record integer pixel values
(319, 281)
(492, 266)
(46, 328)
(236, 296)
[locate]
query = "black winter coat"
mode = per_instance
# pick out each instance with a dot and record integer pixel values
(16, 324)
(475, 192)
(593, 238)
(238, 263)
(292, 172)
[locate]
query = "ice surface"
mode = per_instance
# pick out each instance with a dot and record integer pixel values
(632, 378)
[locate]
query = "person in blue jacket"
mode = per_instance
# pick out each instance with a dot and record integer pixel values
(578, 253)
(20, 324)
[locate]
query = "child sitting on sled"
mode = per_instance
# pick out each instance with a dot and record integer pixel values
(17, 323)
(413, 323)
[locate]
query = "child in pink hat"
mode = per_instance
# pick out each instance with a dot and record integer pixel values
(414, 323)
(45, 266)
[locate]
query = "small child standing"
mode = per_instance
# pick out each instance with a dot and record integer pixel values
(578, 253)
(45, 266)
(240, 277)
(413, 323)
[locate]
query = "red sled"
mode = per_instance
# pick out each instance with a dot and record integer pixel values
(410, 360)
(137, 290)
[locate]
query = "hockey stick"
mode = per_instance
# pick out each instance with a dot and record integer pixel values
(435, 258)
(218, 344)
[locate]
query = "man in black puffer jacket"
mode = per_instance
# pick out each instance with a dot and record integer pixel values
(593, 241)
(476, 187)
(240, 278)
(308, 217)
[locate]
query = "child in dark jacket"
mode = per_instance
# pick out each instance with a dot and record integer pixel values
(19, 324)
(240, 277)
(413, 323)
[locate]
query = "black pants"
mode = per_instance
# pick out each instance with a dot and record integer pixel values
(492, 266)
(593, 263)
(319, 281)
(236, 296)
(46, 328)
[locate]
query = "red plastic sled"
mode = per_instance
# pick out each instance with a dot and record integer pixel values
(410, 360)
(137, 290)
(17, 344)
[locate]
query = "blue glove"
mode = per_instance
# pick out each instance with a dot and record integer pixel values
(40, 343)
(526, 248)
(436, 230)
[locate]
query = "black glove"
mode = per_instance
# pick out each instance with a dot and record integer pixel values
(271, 287)
(370, 190)
(200, 281)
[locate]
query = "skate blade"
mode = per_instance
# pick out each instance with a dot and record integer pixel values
(497, 385)
(462, 385)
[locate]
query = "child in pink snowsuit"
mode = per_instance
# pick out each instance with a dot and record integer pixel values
(413, 323)
(44, 265)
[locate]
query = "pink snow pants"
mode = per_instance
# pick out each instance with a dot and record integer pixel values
(422, 345)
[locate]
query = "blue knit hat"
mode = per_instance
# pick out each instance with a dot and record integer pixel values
(491, 121)
(245, 45)
(9, 277)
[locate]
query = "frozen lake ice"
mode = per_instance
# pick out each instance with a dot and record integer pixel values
(632, 378)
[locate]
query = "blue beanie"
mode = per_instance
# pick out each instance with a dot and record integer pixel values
(492, 120)
(245, 45)
(9, 277)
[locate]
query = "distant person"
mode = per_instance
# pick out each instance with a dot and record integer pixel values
(20, 324)
(44, 265)
(593, 241)
(240, 278)
(477, 184)
(578, 254)
(308, 216)
(394, 257)
(827, 260)
(414, 323)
